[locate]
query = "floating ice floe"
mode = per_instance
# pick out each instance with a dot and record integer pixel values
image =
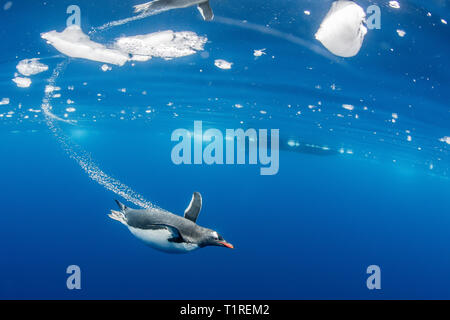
(394, 4)
(223, 64)
(74, 43)
(166, 44)
(22, 82)
(4, 101)
(445, 139)
(259, 53)
(30, 67)
(342, 31)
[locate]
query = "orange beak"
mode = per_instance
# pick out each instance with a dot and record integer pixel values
(226, 244)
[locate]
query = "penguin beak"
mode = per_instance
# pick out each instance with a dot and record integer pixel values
(226, 244)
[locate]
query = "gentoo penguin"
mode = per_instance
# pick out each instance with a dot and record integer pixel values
(168, 232)
(165, 5)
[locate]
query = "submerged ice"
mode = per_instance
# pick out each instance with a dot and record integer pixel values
(30, 67)
(22, 82)
(445, 139)
(342, 31)
(74, 43)
(166, 44)
(223, 64)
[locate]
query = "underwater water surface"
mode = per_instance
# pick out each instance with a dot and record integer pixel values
(364, 158)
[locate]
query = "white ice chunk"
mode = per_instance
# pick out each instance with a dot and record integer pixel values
(342, 31)
(29, 67)
(74, 43)
(4, 101)
(164, 44)
(401, 33)
(394, 4)
(22, 82)
(445, 139)
(105, 68)
(223, 64)
(259, 52)
(348, 107)
(50, 88)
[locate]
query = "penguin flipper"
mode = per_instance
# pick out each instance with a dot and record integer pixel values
(206, 11)
(176, 239)
(175, 233)
(193, 210)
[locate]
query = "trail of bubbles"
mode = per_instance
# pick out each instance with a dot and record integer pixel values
(120, 22)
(83, 159)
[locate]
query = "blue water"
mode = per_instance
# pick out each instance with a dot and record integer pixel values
(309, 232)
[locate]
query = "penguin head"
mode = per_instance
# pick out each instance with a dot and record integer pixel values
(212, 238)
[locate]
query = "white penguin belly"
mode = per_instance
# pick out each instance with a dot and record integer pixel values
(158, 239)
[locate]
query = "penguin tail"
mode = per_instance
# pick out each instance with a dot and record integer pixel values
(118, 216)
(121, 206)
